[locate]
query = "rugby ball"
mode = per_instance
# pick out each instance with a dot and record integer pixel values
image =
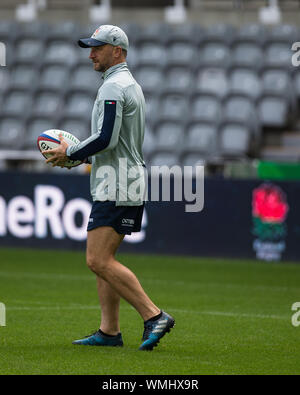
(50, 139)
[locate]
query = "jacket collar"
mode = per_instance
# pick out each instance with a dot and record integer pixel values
(115, 69)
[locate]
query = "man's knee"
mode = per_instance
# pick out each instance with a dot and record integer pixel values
(99, 264)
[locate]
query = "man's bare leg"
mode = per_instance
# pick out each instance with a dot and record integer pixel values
(102, 244)
(110, 304)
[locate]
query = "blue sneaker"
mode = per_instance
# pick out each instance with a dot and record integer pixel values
(155, 330)
(99, 339)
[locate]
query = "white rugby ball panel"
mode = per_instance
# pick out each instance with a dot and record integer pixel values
(50, 139)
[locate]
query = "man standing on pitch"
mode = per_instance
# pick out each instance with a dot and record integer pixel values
(118, 121)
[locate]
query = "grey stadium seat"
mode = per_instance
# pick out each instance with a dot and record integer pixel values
(201, 137)
(284, 33)
(189, 33)
(220, 32)
(152, 107)
(273, 111)
(151, 54)
(173, 107)
(77, 126)
(252, 33)
(60, 51)
(23, 76)
(234, 139)
(168, 136)
(29, 50)
(4, 78)
(193, 159)
(149, 141)
(205, 108)
(212, 80)
(154, 32)
(17, 102)
(164, 158)
(279, 82)
(177, 79)
(214, 54)
(239, 108)
(54, 76)
(34, 127)
(150, 78)
(181, 54)
(64, 31)
(278, 55)
(86, 79)
(245, 81)
(47, 103)
(79, 104)
(11, 133)
(247, 55)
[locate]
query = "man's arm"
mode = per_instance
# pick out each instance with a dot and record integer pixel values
(109, 126)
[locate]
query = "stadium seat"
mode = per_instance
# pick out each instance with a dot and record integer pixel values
(77, 126)
(279, 82)
(152, 107)
(220, 32)
(205, 107)
(4, 78)
(60, 51)
(151, 54)
(193, 159)
(164, 158)
(156, 32)
(8, 30)
(247, 55)
(278, 55)
(64, 31)
(296, 83)
(168, 136)
(132, 30)
(212, 80)
(34, 127)
(284, 33)
(177, 79)
(17, 102)
(23, 76)
(79, 104)
(46, 103)
(173, 107)
(11, 133)
(201, 137)
(234, 139)
(181, 54)
(30, 50)
(189, 33)
(273, 111)
(54, 76)
(84, 78)
(251, 33)
(132, 57)
(214, 54)
(245, 81)
(150, 78)
(149, 141)
(36, 29)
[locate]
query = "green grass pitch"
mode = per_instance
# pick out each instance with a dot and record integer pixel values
(232, 316)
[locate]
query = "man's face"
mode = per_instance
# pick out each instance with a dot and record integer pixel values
(102, 57)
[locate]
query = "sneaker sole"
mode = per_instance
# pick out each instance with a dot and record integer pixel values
(151, 346)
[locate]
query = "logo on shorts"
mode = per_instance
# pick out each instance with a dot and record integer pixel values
(127, 222)
(91, 220)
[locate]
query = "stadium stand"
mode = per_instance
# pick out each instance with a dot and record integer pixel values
(212, 92)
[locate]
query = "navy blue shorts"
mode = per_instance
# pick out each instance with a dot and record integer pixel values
(124, 219)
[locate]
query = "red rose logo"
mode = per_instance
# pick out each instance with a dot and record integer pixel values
(269, 204)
